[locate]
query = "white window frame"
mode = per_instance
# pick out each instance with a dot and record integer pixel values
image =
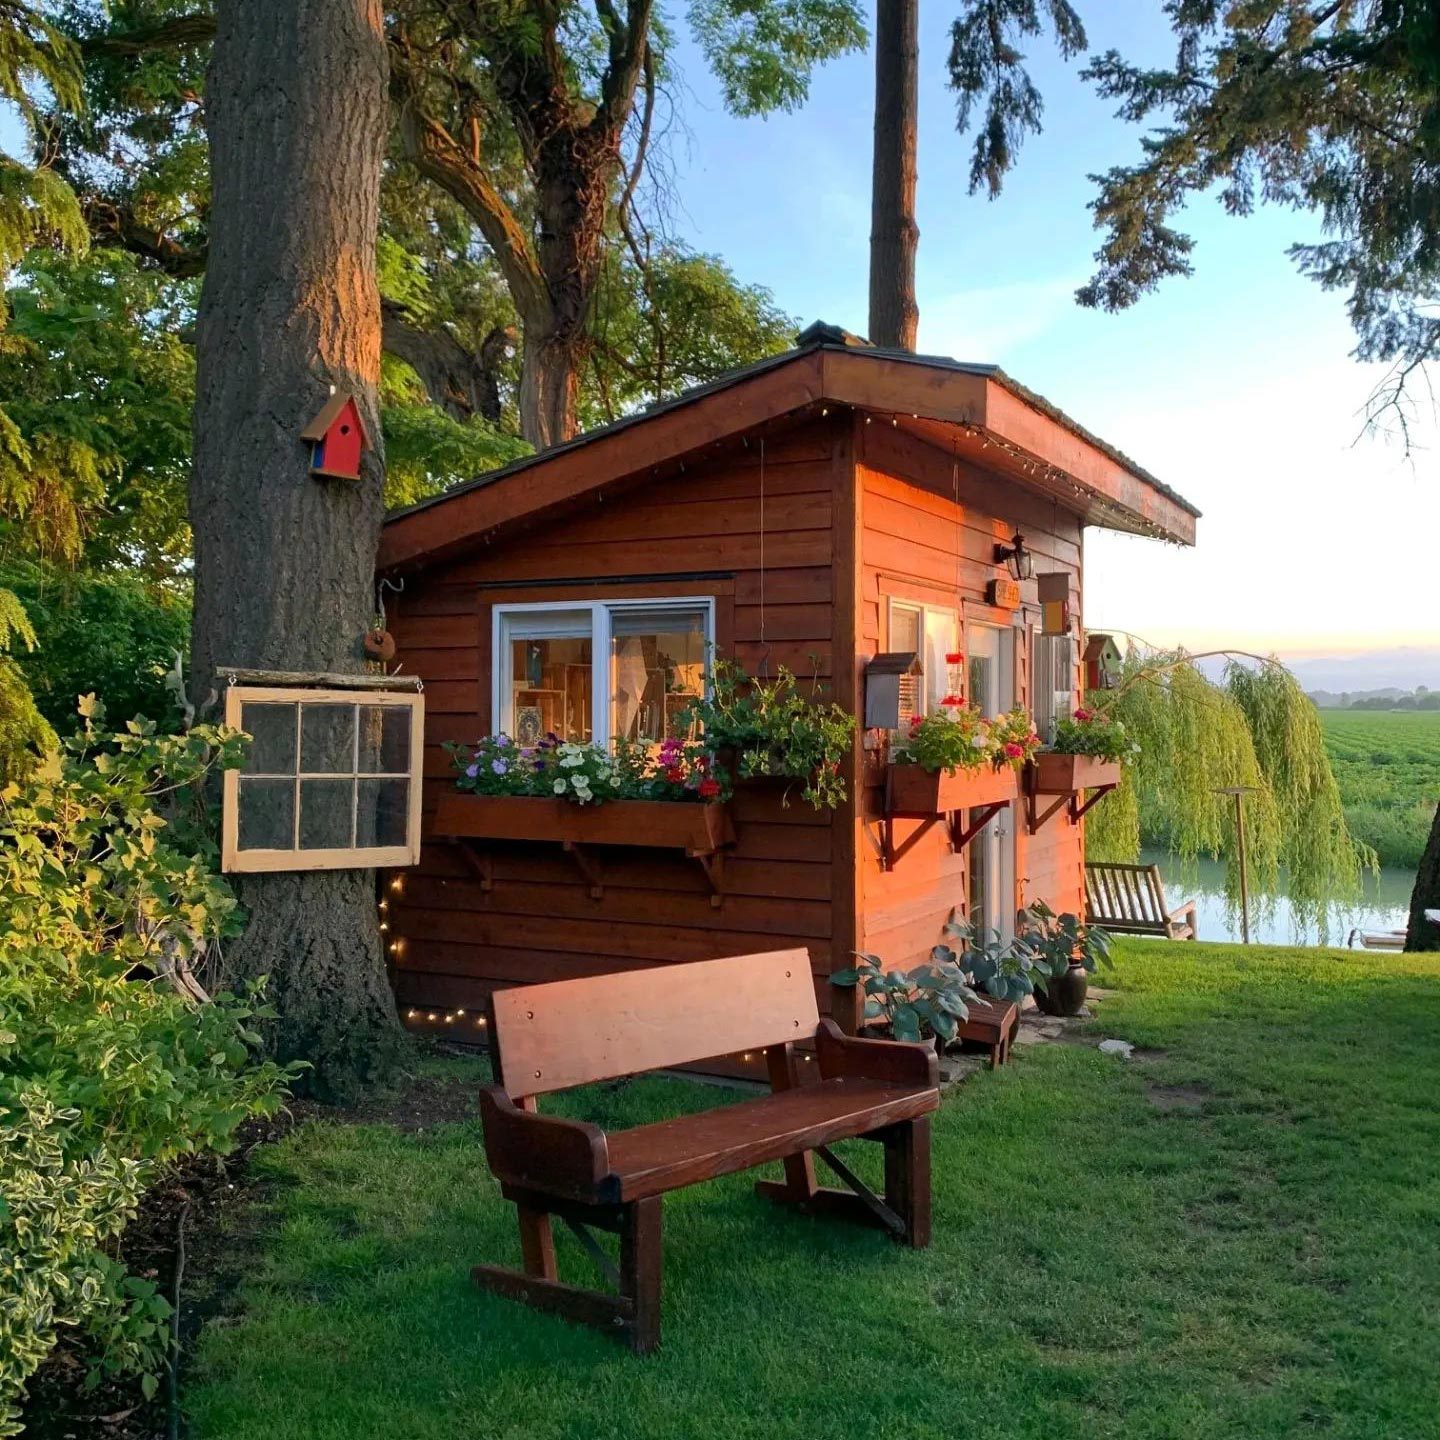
(601, 701)
(924, 611)
(351, 857)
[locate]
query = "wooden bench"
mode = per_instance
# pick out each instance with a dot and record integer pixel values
(576, 1032)
(1130, 899)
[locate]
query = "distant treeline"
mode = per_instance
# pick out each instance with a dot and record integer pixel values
(1420, 698)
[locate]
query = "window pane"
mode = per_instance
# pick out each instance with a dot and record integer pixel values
(267, 813)
(384, 739)
(904, 630)
(550, 687)
(326, 808)
(327, 739)
(272, 743)
(382, 812)
(942, 638)
(657, 667)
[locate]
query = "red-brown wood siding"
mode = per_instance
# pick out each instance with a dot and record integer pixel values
(853, 513)
(457, 941)
(918, 543)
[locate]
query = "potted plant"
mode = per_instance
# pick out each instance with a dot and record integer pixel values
(1088, 751)
(1063, 953)
(759, 729)
(951, 759)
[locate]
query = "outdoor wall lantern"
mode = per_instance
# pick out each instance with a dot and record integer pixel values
(1016, 558)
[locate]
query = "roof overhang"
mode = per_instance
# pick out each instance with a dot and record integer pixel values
(974, 406)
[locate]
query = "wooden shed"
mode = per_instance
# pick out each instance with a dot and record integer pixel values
(813, 510)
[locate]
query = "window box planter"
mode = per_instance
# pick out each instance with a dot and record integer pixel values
(1067, 776)
(966, 801)
(910, 790)
(701, 831)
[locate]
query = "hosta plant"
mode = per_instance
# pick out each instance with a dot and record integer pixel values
(930, 1000)
(1053, 943)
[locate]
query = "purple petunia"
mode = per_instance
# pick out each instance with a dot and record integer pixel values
(499, 766)
(472, 771)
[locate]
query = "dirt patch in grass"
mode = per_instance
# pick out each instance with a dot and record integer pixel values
(1178, 1097)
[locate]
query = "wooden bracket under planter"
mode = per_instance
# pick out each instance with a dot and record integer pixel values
(1066, 777)
(933, 795)
(701, 831)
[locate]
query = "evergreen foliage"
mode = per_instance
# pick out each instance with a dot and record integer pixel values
(1332, 108)
(1257, 729)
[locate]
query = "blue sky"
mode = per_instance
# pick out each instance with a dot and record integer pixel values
(1235, 386)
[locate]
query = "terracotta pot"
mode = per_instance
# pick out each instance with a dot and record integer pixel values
(1065, 994)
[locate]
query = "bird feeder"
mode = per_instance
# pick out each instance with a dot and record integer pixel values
(892, 690)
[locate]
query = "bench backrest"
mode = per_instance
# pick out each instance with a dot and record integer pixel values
(1117, 892)
(573, 1032)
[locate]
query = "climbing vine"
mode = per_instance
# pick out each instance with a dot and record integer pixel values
(1256, 728)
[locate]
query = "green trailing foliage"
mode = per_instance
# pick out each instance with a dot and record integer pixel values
(1195, 738)
(106, 1072)
(776, 728)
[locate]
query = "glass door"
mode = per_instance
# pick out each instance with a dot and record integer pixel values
(990, 653)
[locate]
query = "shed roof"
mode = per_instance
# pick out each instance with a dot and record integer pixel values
(1041, 445)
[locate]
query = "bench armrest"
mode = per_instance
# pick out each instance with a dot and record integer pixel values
(899, 1062)
(543, 1152)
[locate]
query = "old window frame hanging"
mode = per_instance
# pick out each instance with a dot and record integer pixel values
(243, 858)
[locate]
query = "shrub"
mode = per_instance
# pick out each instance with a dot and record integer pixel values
(105, 1072)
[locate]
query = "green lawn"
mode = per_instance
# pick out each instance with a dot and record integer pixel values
(1237, 1234)
(1387, 764)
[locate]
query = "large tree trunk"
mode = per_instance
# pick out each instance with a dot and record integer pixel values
(284, 563)
(549, 383)
(1423, 934)
(894, 235)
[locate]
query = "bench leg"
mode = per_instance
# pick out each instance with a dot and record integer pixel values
(640, 1267)
(537, 1242)
(907, 1178)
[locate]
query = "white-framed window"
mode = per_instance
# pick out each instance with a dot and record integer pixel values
(331, 779)
(1052, 682)
(599, 671)
(932, 633)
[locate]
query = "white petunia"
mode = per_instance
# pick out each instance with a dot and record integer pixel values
(559, 787)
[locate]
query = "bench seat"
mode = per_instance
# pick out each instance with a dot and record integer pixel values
(651, 1159)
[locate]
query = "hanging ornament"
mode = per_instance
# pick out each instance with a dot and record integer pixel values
(379, 644)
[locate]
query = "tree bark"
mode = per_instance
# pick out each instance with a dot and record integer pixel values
(1423, 934)
(894, 235)
(460, 382)
(284, 563)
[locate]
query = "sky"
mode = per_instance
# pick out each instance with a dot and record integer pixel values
(1235, 386)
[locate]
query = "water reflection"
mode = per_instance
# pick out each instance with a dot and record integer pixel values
(1384, 906)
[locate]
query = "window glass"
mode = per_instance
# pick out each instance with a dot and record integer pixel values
(330, 771)
(657, 667)
(942, 638)
(932, 634)
(1054, 682)
(551, 687)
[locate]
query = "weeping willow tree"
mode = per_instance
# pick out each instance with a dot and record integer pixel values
(1255, 728)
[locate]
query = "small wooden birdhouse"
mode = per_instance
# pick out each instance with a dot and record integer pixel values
(337, 438)
(1102, 662)
(892, 690)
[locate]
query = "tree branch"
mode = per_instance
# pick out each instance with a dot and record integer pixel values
(174, 34)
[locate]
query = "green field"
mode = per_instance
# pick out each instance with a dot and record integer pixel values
(1387, 763)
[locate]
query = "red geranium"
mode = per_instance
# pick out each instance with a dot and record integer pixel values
(675, 775)
(1013, 751)
(708, 789)
(1082, 715)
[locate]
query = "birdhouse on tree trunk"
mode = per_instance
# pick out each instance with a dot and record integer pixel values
(337, 438)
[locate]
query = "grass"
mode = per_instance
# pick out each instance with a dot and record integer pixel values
(1235, 1234)
(1387, 764)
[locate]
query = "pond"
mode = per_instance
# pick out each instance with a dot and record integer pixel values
(1384, 906)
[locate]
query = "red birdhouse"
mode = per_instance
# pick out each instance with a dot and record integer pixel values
(337, 438)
